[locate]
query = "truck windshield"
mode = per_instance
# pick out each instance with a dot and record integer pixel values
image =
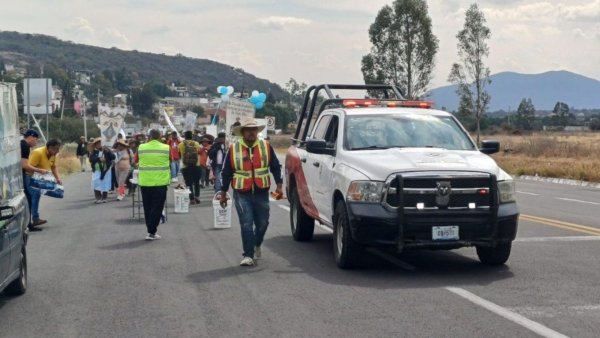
(404, 130)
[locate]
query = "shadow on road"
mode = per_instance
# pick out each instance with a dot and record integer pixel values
(219, 274)
(432, 268)
(126, 245)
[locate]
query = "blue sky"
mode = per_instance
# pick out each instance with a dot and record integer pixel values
(315, 41)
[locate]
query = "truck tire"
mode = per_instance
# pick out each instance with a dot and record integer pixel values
(302, 225)
(497, 255)
(347, 252)
(19, 285)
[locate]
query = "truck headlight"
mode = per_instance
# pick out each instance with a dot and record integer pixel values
(506, 191)
(365, 191)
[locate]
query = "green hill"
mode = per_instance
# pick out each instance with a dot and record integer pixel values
(33, 50)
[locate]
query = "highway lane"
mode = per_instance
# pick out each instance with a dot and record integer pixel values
(92, 275)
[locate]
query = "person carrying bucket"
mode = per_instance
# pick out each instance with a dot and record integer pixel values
(246, 168)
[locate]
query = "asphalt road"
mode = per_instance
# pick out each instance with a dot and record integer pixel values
(91, 274)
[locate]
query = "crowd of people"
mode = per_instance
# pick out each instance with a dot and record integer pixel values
(244, 165)
(199, 158)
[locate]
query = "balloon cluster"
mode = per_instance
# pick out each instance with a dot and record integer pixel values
(225, 92)
(258, 99)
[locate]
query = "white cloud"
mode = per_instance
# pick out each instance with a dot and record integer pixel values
(587, 11)
(113, 37)
(282, 22)
(81, 27)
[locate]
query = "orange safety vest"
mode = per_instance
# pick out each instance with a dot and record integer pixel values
(250, 165)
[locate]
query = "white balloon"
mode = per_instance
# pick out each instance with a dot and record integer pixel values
(229, 90)
(254, 93)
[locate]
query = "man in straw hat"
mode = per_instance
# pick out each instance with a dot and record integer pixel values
(246, 168)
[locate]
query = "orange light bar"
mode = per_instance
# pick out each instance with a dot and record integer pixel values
(416, 104)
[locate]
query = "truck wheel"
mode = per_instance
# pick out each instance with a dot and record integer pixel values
(347, 252)
(494, 255)
(19, 285)
(302, 225)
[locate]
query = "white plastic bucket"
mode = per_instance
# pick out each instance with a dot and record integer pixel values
(222, 216)
(182, 201)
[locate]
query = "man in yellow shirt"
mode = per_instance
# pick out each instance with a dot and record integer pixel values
(43, 158)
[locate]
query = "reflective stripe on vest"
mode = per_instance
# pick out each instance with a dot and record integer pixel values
(154, 165)
(251, 166)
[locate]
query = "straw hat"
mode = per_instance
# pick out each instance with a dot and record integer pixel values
(123, 143)
(247, 123)
(96, 140)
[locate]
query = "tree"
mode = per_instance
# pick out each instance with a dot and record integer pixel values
(295, 91)
(198, 110)
(525, 114)
(471, 75)
(561, 112)
(403, 49)
(142, 100)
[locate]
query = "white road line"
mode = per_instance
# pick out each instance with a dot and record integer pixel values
(397, 262)
(507, 314)
(558, 239)
(527, 193)
(577, 201)
(284, 207)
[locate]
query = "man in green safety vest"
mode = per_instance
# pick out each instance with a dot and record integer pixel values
(154, 178)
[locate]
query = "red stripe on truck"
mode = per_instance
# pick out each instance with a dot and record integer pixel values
(294, 167)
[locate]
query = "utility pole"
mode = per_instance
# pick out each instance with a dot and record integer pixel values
(85, 135)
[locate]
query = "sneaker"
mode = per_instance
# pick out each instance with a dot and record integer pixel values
(247, 261)
(174, 180)
(38, 221)
(197, 200)
(32, 228)
(120, 197)
(151, 237)
(104, 201)
(257, 252)
(97, 201)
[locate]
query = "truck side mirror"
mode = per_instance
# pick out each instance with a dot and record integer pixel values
(316, 146)
(489, 147)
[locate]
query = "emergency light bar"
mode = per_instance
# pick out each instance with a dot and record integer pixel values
(365, 103)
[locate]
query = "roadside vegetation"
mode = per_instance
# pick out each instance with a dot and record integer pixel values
(573, 156)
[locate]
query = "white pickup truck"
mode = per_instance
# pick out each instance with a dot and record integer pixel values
(394, 173)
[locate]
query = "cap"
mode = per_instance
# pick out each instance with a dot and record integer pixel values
(31, 132)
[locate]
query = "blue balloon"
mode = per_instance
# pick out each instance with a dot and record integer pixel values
(259, 105)
(223, 90)
(262, 97)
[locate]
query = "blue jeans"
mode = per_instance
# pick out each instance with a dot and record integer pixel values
(217, 172)
(174, 168)
(35, 194)
(253, 212)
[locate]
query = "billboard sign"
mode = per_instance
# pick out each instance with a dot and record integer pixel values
(37, 96)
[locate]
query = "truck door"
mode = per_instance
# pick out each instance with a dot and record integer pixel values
(312, 164)
(323, 165)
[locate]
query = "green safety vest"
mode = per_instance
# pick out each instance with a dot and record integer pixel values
(154, 165)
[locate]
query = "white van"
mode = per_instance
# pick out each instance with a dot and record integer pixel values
(14, 211)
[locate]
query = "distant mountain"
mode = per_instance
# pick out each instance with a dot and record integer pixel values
(33, 50)
(508, 89)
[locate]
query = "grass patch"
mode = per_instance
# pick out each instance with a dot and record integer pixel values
(67, 161)
(573, 156)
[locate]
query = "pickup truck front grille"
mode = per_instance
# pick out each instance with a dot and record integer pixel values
(440, 191)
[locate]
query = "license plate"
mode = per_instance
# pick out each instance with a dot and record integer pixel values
(445, 233)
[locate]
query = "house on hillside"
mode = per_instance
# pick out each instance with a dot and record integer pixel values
(180, 91)
(83, 77)
(120, 99)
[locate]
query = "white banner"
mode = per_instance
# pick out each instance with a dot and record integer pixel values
(190, 120)
(270, 122)
(236, 111)
(110, 125)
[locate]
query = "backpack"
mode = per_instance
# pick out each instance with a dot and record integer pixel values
(190, 154)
